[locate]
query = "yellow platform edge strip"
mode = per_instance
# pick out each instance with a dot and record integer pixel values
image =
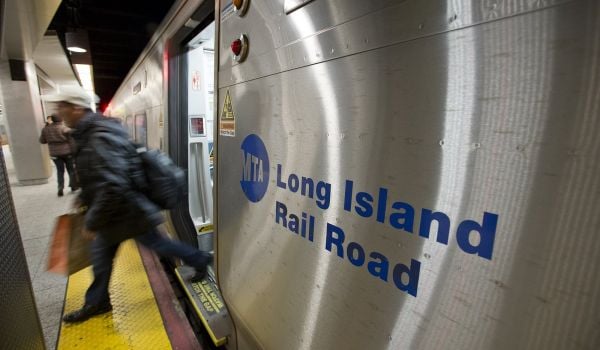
(217, 342)
(134, 323)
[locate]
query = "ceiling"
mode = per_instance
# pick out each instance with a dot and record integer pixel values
(118, 32)
(50, 57)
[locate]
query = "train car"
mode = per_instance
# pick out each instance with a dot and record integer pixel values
(385, 174)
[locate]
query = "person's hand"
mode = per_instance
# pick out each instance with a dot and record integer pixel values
(78, 206)
(87, 234)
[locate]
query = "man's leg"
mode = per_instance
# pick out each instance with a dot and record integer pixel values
(60, 173)
(97, 299)
(167, 247)
(72, 176)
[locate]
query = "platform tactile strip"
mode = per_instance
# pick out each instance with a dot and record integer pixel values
(134, 323)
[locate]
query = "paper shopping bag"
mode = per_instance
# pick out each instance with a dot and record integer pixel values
(70, 249)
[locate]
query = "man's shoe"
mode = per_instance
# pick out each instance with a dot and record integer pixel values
(60, 192)
(86, 312)
(199, 275)
(73, 189)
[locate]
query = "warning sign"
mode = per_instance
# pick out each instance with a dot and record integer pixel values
(227, 123)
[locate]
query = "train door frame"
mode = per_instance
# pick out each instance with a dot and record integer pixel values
(177, 109)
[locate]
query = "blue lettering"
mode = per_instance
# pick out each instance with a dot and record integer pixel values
(308, 187)
(337, 240)
(280, 183)
(323, 195)
(412, 274)
(382, 204)
(487, 235)
(348, 196)
(303, 225)
(280, 213)
(360, 259)
(364, 207)
(406, 278)
(378, 268)
(293, 183)
(311, 228)
(293, 223)
(407, 217)
(427, 217)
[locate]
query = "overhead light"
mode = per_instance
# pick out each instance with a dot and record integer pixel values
(77, 41)
(76, 49)
(84, 71)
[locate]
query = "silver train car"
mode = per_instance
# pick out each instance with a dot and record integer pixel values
(388, 174)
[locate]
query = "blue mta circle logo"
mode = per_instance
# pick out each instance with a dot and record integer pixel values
(255, 168)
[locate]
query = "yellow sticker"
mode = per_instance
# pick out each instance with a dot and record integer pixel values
(205, 228)
(227, 124)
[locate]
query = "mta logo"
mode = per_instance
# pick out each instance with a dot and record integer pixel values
(255, 168)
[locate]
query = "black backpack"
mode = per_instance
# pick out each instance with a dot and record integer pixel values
(164, 181)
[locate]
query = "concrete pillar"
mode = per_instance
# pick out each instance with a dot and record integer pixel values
(24, 122)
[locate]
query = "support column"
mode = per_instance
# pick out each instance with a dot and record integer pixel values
(20, 326)
(24, 121)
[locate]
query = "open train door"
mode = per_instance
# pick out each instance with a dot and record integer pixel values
(190, 60)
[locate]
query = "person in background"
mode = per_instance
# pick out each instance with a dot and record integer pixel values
(48, 120)
(58, 138)
(106, 163)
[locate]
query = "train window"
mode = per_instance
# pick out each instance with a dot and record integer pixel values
(141, 136)
(130, 126)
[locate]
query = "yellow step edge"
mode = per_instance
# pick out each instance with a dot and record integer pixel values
(216, 341)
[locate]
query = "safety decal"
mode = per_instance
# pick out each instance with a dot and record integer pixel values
(227, 123)
(211, 301)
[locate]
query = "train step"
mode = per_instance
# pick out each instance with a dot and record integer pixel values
(208, 304)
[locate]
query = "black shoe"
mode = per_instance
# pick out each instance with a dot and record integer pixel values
(201, 271)
(199, 275)
(86, 312)
(60, 192)
(73, 189)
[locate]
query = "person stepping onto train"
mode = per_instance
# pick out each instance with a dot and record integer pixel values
(58, 138)
(115, 210)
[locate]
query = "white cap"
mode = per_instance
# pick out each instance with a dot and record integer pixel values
(73, 95)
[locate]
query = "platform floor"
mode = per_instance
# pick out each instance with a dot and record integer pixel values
(37, 207)
(135, 321)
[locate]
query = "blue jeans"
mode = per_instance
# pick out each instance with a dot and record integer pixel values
(61, 162)
(103, 254)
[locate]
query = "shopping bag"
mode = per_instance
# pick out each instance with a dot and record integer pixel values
(70, 249)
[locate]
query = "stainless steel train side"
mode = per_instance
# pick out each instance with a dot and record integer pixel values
(401, 174)
(444, 158)
(145, 88)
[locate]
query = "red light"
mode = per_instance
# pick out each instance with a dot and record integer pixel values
(236, 47)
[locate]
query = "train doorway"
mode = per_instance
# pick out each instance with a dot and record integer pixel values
(199, 62)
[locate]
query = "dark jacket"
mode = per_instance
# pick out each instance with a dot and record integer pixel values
(109, 169)
(56, 135)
